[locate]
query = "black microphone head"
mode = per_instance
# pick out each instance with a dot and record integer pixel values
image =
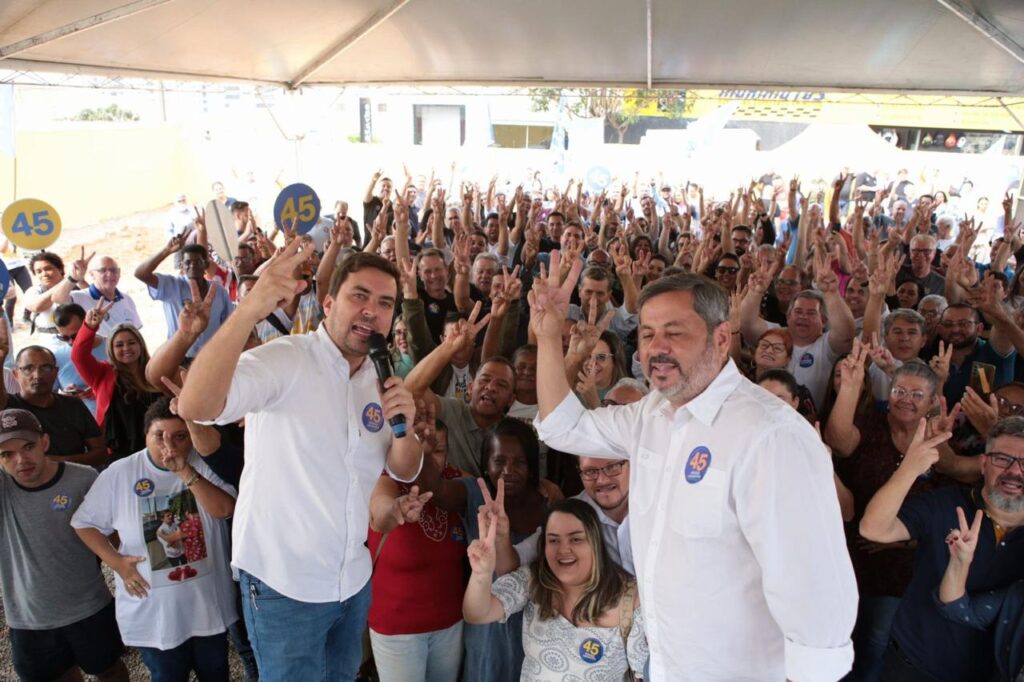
(378, 344)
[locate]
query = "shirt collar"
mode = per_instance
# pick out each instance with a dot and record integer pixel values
(706, 405)
(333, 354)
(96, 293)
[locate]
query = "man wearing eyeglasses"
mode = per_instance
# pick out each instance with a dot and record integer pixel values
(74, 434)
(605, 488)
(925, 645)
(919, 269)
(106, 274)
(994, 359)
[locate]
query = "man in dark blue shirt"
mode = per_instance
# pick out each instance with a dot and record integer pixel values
(924, 645)
(960, 326)
(1001, 611)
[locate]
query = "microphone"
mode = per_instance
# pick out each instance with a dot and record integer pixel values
(381, 359)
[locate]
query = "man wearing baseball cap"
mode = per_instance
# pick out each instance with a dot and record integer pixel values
(58, 607)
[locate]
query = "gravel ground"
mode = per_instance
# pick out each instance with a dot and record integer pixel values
(132, 659)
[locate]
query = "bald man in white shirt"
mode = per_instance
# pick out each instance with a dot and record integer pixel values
(737, 537)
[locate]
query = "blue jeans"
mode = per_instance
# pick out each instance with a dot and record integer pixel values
(295, 640)
(871, 636)
(424, 657)
(208, 656)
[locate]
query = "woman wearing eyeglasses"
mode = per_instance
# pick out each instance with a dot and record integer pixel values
(773, 351)
(400, 356)
(582, 619)
(869, 448)
(606, 365)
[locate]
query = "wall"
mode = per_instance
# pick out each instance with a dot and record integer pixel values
(102, 171)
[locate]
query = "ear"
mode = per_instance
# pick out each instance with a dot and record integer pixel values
(722, 339)
(44, 441)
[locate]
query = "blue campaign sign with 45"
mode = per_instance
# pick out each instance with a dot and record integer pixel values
(297, 206)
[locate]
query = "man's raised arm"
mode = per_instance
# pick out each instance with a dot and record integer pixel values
(205, 393)
(549, 306)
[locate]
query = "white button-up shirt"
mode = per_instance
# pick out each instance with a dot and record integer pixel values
(737, 537)
(315, 444)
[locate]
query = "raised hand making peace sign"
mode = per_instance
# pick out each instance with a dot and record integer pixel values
(549, 299)
(95, 316)
(195, 314)
(923, 451)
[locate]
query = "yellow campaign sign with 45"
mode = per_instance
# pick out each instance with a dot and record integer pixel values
(31, 224)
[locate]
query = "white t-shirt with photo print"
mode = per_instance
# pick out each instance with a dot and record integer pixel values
(193, 600)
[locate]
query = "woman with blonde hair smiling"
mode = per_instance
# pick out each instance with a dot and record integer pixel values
(582, 617)
(122, 392)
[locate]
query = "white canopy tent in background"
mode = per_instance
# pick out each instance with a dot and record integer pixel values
(949, 46)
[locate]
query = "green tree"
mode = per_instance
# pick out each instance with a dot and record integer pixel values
(107, 113)
(620, 108)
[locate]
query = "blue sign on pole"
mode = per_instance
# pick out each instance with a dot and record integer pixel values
(5, 280)
(297, 206)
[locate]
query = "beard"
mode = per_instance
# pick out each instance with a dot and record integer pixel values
(692, 380)
(1010, 505)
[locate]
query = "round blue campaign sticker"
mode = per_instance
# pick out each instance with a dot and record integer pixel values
(144, 487)
(60, 502)
(373, 417)
(697, 464)
(297, 205)
(806, 360)
(458, 534)
(591, 650)
(598, 178)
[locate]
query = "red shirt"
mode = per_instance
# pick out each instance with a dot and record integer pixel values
(100, 376)
(418, 578)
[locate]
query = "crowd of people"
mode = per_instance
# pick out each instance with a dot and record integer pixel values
(633, 434)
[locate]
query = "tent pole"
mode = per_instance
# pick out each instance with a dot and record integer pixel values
(985, 27)
(79, 26)
(650, 45)
(350, 39)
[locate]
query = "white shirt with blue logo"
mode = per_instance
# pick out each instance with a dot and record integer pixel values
(736, 532)
(315, 443)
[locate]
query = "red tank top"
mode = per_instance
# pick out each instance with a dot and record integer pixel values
(418, 578)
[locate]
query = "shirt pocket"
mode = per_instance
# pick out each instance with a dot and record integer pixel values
(698, 508)
(645, 473)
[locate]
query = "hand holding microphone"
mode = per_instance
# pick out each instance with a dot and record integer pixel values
(396, 401)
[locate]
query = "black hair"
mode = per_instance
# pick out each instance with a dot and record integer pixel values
(49, 257)
(157, 410)
(65, 313)
(527, 437)
(784, 378)
(359, 261)
(197, 249)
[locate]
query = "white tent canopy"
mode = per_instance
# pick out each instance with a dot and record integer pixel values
(969, 46)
